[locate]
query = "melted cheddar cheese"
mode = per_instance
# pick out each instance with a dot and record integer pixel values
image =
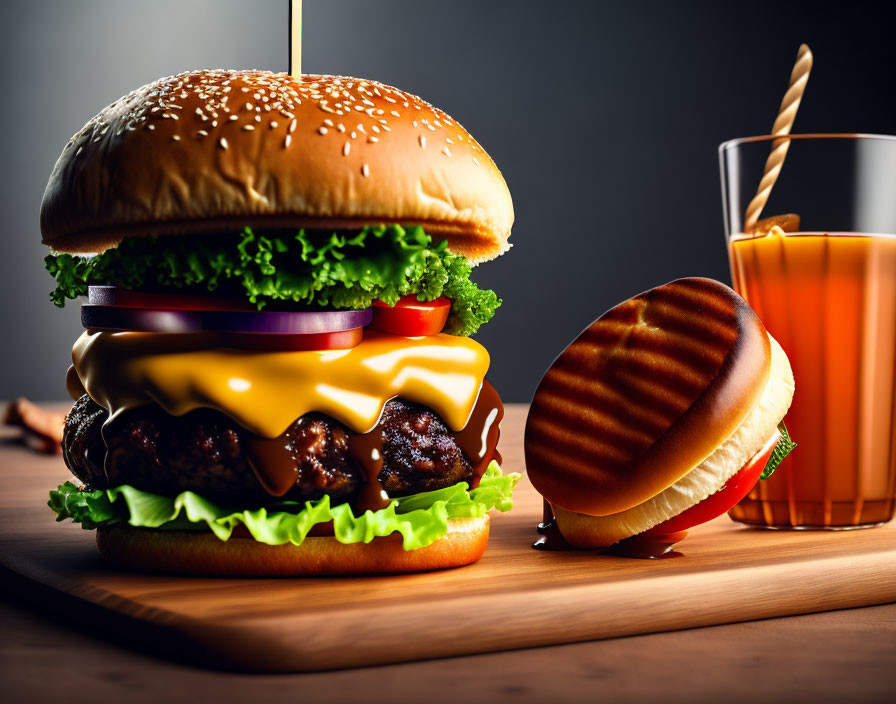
(265, 391)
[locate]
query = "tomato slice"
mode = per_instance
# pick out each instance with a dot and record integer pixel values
(725, 498)
(410, 317)
(340, 340)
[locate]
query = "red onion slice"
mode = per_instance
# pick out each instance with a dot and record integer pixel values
(106, 317)
(122, 297)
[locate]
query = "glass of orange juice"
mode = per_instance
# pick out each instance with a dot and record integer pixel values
(820, 270)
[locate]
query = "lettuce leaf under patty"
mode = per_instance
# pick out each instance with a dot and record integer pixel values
(309, 268)
(421, 519)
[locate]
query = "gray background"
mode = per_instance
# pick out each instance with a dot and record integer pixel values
(604, 118)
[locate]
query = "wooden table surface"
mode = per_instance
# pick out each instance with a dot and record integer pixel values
(830, 657)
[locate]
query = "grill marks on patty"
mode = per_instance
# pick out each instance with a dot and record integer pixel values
(204, 451)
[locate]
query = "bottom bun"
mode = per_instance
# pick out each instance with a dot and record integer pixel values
(204, 554)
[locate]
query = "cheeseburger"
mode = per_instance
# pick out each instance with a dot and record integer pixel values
(277, 375)
(662, 414)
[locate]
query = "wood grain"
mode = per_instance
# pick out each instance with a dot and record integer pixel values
(514, 597)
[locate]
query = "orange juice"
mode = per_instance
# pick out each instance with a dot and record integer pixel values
(830, 300)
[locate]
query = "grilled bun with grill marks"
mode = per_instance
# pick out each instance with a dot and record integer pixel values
(211, 151)
(652, 408)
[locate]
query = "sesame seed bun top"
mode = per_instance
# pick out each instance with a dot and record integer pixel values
(211, 151)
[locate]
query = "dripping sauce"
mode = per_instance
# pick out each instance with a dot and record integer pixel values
(367, 451)
(642, 546)
(478, 439)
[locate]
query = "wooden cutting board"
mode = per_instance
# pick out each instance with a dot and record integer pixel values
(514, 597)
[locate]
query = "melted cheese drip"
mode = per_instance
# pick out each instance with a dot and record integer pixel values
(265, 391)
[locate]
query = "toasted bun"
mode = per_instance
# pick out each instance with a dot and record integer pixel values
(211, 151)
(705, 479)
(204, 554)
(644, 395)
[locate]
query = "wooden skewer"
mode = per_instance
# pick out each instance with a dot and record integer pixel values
(783, 123)
(295, 39)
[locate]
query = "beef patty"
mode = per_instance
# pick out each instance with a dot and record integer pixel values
(203, 451)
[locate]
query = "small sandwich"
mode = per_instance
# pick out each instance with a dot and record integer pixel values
(661, 415)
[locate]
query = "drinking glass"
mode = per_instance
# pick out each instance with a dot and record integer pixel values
(826, 292)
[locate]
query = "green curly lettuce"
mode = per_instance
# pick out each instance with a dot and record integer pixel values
(421, 519)
(308, 268)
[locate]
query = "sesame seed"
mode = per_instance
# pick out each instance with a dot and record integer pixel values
(365, 171)
(233, 117)
(292, 126)
(150, 126)
(448, 139)
(431, 128)
(476, 161)
(354, 135)
(258, 118)
(248, 128)
(445, 151)
(346, 148)
(249, 106)
(273, 124)
(340, 127)
(222, 143)
(395, 112)
(287, 141)
(175, 138)
(422, 141)
(203, 133)
(322, 130)
(373, 139)
(328, 122)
